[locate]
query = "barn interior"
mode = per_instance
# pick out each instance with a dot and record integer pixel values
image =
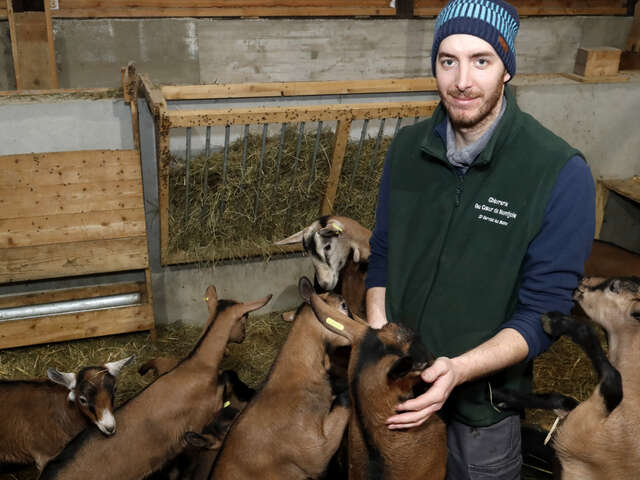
(205, 131)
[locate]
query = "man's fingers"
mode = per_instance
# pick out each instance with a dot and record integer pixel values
(435, 371)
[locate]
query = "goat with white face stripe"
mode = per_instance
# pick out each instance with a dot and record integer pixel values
(332, 241)
(38, 417)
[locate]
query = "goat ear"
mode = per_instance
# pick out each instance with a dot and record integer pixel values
(289, 316)
(211, 297)
(305, 288)
(400, 368)
(295, 238)
(115, 367)
(336, 321)
(66, 379)
(210, 442)
(255, 305)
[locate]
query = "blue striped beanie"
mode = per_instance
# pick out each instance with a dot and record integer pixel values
(494, 21)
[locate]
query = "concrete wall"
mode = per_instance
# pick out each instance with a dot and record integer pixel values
(89, 53)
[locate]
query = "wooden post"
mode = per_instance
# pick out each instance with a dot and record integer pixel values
(32, 46)
(342, 137)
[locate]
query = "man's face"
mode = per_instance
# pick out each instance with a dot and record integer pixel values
(470, 78)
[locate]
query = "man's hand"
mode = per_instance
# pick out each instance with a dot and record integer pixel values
(444, 376)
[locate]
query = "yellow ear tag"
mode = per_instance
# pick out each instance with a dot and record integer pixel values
(206, 299)
(336, 227)
(334, 324)
(226, 404)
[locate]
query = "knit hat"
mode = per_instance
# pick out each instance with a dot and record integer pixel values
(494, 21)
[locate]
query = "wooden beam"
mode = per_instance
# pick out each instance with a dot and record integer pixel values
(153, 95)
(429, 8)
(71, 259)
(288, 89)
(61, 328)
(633, 40)
(65, 168)
(594, 62)
(75, 227)
(314, 113)
(163, 130)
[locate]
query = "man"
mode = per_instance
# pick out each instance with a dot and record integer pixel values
(484, 221)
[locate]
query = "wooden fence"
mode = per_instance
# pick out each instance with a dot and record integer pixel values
(307, 8)
(290, 118)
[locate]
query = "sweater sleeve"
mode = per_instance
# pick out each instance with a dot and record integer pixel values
(377, 271)
(555, 259)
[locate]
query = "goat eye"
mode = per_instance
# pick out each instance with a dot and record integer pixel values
(327, 247)
(83, 401)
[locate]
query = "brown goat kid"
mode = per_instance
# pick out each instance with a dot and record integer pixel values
(384, 370)
(154, 423)
(339, 250)
(294, 424)
(39, 417)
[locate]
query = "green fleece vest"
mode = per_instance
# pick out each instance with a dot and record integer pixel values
(457, 243)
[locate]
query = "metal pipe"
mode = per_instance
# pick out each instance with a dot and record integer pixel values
(69, 306)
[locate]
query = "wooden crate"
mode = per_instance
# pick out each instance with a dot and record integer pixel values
(66, 214)
(597, 62)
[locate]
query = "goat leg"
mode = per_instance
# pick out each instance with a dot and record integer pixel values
(557, 324)
(505, 398)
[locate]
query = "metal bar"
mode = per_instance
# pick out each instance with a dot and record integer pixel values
(377, 145)
(225, 163)
(259, 173)
(398, 123)
(245, 142)
(70, 306)
(357, 157)
(186, 180)
(296, 160)
(280, 149)
(312, 173)
(205, 171)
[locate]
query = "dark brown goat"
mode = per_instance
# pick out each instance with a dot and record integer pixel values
(38, 417)
(384, 369)
(154, 423)
(339, 250)
(294, 424)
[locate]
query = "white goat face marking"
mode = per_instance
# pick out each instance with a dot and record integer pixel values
(106, 422)
(329, 257)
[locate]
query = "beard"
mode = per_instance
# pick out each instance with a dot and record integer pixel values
(461, 118)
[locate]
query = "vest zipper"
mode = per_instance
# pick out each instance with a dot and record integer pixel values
(459, 187)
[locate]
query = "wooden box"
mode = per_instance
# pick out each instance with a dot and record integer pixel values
(597, 62)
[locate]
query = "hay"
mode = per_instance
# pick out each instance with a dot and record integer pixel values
(242, 211)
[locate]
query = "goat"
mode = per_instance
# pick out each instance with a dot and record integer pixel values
(339, 249)
(201, 449)
(384, 369)
(40, 417)
(156, 420)
(599, 438)
(294, 424)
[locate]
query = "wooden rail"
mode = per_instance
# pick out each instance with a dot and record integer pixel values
(343, 114)
(429, 8)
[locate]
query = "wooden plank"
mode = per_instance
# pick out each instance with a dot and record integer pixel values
(51, 51)
(222, 12)
(597, 62)
(313, 113)
(602, 197)
(342, 138)
(287, 89)
(80, 93)
(76, 227)
(50, 296)
(73, 326)
(629, 187)
(71, 259)
(163, 130)
(15, 53)
(43, 200)
(31, 38)
(619, 78)
(539, 7)
(63, 168)
(153, 94)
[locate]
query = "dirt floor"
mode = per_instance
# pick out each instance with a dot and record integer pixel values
(563, 368)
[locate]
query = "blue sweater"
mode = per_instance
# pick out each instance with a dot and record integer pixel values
(550, 270)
